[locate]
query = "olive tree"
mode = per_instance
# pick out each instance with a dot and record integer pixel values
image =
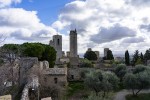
(120, 71)
(100, 81)
(137, 80)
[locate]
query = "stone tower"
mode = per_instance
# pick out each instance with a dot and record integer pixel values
(73, 49)
(57, 44)
(105, 51)
(73, 43)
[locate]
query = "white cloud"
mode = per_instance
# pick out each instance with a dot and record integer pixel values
(24, 25)
(6, 3)
(93, 17)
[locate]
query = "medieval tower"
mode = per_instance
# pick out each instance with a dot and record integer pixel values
(57, 44)
(73, 48)
(73, 43)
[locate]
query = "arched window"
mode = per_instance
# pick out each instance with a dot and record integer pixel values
(58, 41)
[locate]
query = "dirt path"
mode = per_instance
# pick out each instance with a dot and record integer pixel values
(121, 95)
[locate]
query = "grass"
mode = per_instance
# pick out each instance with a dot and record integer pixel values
(143, 96)
(74, 87)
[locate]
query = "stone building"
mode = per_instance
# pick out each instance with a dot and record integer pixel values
(57, 44)
(105, 51)
(55, 76)
(73, 49)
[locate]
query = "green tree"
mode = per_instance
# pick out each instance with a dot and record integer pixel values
(101, 81)
(32, 50)
(142, 57)
(140, 68)
(147, 56)
(10, 52)
(137, 82)
(42, 51)
(109, 55)
(120, 71)
(90, 55)
(127, 58)
(49, 54)
(86, 63)
(135, 57)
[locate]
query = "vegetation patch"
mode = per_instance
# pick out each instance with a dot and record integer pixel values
(74, 87)
(143, 96)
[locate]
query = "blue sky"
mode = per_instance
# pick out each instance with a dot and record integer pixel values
(116, 24)
(48, 10)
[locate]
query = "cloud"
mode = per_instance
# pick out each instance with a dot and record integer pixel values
(106, 22)
(134, 40)
(138, 3)
(6, 3)
(23, 25)
(113, 33)
(145, 27)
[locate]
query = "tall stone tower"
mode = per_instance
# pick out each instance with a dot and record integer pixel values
(57, 44)
(73, 43)
(73, 49)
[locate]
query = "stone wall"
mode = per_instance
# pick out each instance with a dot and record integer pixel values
(25, 65)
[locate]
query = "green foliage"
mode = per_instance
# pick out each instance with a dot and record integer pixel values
(92, 96)
(136, 57)
(10, 52)
(143, 96)
(42, 51)
(13, 48)
(32, 50)
(109, 55)
(90, 55)
(147, 55)
(142, 58)
(140, 68)
(101, 81)
(139, 79)
(120, 71)
(86, 63)
(74, 87)
(127, 58)
(49, 54)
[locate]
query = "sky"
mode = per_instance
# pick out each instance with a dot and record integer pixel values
(116, 24)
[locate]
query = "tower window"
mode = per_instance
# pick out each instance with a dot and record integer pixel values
(58, 41)
(72, 76)
(55, 80)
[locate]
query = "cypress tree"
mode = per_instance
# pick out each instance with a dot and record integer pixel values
(127, 58)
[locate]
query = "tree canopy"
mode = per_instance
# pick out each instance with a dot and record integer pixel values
(90, 55)
(138, 79)
(100, 81)
(39, 50)
(120, 71)
(109, 55)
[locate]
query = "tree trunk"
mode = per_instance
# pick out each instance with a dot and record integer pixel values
(138, 92)
(133, 92)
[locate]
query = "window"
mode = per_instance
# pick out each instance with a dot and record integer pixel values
(58, 41)
(55, 80)
(72, 76)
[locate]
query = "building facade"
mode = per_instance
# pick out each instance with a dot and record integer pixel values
(57, 44)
